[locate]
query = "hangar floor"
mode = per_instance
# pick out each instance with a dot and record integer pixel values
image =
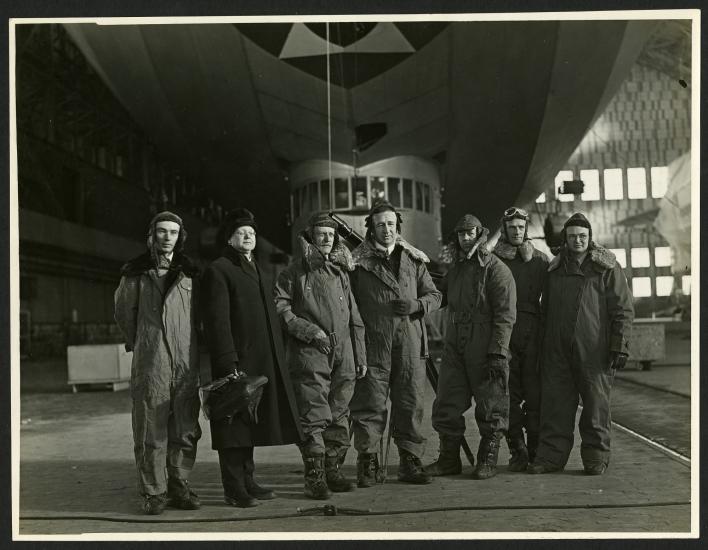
(77, 476)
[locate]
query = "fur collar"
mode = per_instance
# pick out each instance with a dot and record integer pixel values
(599, 255)
(365, 253)
(312, 258)
(451, 252)
(144, 263)
(504, 249)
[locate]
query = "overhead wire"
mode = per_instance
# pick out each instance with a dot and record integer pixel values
(329, 113)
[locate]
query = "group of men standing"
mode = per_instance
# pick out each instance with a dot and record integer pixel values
(525, 339)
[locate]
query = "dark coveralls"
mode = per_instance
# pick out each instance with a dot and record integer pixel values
(524, 373)
(481, 301)
(396, 346)
(313, 295)
(157, 315)
(588, 313)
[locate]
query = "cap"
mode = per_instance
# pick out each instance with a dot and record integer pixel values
(467, 222)
(321, 219)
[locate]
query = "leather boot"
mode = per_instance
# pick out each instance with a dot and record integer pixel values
(519, 459)
(255, 490)
(333, 475)
(487, 456)
(367, 468)
(532, 444)
(315, 482)
(180, 495)
(234, 478)
(448, 463)
(411, 470)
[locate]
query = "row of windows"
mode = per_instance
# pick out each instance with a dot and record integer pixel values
(640, 257)
(641, 286)
(359, 192)
(613, 184)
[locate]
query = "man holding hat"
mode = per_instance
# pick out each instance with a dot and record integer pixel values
(528, 266)
(325, 349)
(394, 291)
(480, 294)
(588, 312)
(155, 310)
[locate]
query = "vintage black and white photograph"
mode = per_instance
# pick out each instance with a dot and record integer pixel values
(355, 277)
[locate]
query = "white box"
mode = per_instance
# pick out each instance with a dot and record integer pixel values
(99, 364)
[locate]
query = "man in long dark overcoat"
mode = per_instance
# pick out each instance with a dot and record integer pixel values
(243, 333)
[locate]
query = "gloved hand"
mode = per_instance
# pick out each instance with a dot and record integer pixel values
(404, 306)
(618, 360)
(361, 371)
(498, 367)
(322, 345)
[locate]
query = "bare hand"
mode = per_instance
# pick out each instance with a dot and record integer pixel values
(361, 371)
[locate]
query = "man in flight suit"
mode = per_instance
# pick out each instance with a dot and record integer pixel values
(394, 291)
(156, 311)
(528, 266)
(480, 294)
(325, 350)
(588, 312)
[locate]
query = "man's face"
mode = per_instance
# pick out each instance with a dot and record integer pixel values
(515, 231)
(323, 238)
(577, 239)
(467, 238)
(244, 239)
(385, 231)
(166, 234)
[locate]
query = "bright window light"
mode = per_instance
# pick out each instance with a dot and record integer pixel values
(613, 184)
(664, 285)
(636, 183)
(541, 197)
(591, 178)
(662, 256)
(686, 284)
(563, 175)
(659, 181)
(641, 287)
(621, 255)
(640, 257)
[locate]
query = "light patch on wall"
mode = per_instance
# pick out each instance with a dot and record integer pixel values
(640, 257)
(563, 175)
(636, 183)
(613, 184)
(621, 255)
(659, 181)
(591, 178)
(664, 285)
(641, 287)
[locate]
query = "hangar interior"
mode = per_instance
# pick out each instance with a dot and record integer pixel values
(116, 123)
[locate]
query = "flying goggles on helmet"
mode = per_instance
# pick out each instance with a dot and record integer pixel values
(515, 212)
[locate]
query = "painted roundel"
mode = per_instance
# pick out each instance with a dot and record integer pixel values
(358, 51)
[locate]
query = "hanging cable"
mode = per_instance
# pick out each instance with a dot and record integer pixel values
(329, 116)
